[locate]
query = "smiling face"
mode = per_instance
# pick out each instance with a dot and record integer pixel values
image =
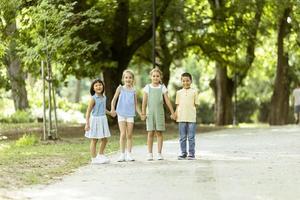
(128, 79)
(98, 88)
(155, 78)
(186, 82)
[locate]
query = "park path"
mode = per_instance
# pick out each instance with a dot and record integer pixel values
(232, 164)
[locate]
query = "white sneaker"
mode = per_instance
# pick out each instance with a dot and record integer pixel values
(150, 156)
(129, 157)
(160, 157)
(97, 160)
(102, 159)
(121, 158)
(94, 161)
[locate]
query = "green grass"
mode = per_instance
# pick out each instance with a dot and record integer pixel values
(29, 161)
(42, 162)
(12, 126)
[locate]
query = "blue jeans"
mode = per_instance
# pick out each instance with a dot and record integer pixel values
(187, 130)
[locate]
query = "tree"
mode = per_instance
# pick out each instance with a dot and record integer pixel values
(233, 34)
(280, 99)
(120, 34)
(9, 35)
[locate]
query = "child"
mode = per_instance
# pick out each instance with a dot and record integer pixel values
(186, 101)
(126, 108)
(154, 94)
(96, 123)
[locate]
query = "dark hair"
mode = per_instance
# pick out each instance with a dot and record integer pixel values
(186, 74)
(92, 91)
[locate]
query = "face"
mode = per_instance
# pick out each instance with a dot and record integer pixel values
(128, 79)
(186, 82)
(155, 77)
(98, 88)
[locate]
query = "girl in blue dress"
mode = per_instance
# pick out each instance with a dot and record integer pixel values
(96, 122)
(126, 109)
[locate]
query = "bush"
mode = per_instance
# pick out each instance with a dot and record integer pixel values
(245, 110)
(264, 109)
(20, 116)
(205, 113)
(27, 140)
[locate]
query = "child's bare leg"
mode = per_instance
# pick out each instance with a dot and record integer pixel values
(129, 136)
(93, 147)
(150, 141)
(122, 127)
(102, 145)
(159, 141)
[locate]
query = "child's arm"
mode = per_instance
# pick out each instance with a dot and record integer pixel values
(144, 104)
(113, 102)
(88, 113)
(177, 105)
(109, 113)
(176, 112)
(136, 106)
(168, 102)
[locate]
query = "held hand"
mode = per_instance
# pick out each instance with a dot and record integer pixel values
(173, 116)
(113, 113)
(143, 117)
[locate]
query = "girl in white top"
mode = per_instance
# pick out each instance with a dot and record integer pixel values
(154, 96)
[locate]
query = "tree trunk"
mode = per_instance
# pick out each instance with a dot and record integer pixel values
(121, 51)
(280, 99)
(164, 55)
(223, 91)
(14, 69)
(77, 92)
(112, 78)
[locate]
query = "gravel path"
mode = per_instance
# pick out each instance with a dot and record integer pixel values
(232, 164)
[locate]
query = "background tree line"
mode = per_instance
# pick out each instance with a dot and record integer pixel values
(248, 45)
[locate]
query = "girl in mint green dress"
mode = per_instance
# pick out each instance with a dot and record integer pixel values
(153, 111)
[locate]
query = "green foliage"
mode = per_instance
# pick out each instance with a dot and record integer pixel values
(264, 110)
(51, 28)
(18, 117)
(245, 110)
(27, 140)
(205, 113)
(66, 105)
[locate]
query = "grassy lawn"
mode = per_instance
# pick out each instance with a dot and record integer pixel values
(43, 162)
(46, 161)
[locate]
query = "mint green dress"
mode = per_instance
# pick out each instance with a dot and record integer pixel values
(155, 110)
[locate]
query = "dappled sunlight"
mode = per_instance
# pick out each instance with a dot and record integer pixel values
(73, 116)
(4, 146)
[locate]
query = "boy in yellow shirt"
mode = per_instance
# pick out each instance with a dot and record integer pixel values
(186, 101)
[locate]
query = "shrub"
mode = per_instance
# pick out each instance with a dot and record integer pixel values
(19, 116)
(205, 113)
(27, 140)
(246, 109)
(264, 109)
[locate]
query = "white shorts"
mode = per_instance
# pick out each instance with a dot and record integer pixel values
(125, 119)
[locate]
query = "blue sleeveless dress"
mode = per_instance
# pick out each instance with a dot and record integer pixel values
(98, 120)
(126, 103)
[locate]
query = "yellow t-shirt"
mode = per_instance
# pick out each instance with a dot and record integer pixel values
(186, 99)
